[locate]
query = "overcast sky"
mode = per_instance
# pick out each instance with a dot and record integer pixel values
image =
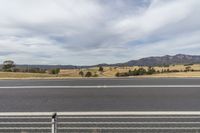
(84, 32)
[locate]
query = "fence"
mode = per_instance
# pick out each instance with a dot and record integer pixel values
(100, 122)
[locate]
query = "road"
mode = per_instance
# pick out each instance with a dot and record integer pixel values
(123, 94)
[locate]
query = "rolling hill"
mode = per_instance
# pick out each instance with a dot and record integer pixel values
(148, 61)
(163, 60)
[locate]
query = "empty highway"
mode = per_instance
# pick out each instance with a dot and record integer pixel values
(117, 94)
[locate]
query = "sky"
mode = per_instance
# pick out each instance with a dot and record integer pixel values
(87, 32)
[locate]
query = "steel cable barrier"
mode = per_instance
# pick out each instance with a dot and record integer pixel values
(100, 122)
(25, 122)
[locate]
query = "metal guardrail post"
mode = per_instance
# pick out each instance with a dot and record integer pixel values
(54, 123)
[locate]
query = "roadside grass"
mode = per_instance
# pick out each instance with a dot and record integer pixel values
(24, 75)
(107, 72)
(111, 71)
(175, 74)
(69, 73)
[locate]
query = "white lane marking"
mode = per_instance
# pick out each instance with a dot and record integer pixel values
(121, 122)
(25, 128)
(24, 114)
(99, 123)
(105, 86)
(137, 113)
(97, 117)
(130, 117)
(105, 113)
(90, 113)
(129, 128)
(25, 123)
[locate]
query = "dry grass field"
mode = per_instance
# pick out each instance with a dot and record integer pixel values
(8, 75)
(176, 75)
(111, 71)
(107, 72)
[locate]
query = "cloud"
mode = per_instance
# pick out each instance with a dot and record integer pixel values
(160, 15)
(85, 32)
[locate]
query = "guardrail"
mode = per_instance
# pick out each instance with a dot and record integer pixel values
(97, 122)
(25, 122)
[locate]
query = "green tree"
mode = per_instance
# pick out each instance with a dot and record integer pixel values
(117, 74)
(81, 73)
(88, 74)
(55, 71)
(151, 71)
(8, 65)
(101, 69)
(141, 71)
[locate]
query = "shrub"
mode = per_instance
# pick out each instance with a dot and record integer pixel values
(141, 71)
(88, 74)
(95, 75)
(117, 74)
(188, 68)
(101, 69)
(55, 71)
(174, 71)
(81, 73)
(151, 71)
(125, 74)
(135, 72)
(35, 70)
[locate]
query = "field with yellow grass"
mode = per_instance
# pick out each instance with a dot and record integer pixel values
(175, 74)
(107, 72)
(111, 71)
(20, 75)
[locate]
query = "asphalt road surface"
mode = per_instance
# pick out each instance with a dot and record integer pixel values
(123, 94)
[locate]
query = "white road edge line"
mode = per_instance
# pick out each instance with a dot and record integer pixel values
(156, 113)
(104, 113)
(105, 86)
(131, 128)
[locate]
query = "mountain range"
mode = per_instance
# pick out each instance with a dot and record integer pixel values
(163, 60)
(148, 61)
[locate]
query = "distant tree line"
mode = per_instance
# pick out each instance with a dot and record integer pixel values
(29, 70)
(137, 72)
(88, 74)
(151, 70)
(10, 66)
